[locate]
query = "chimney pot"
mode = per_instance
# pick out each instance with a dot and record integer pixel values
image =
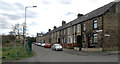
(63, 22)
(80, 15)
(55, 27)
(49, 30)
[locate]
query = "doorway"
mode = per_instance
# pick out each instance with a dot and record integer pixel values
(58, 40)
(79, 42)
(90, 45)
(89, 41)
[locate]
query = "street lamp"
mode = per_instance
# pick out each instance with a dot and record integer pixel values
(24, 27)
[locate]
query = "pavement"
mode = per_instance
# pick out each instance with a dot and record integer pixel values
(82, 53)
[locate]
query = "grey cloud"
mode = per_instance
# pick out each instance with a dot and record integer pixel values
(7, 6)
(69, 13)
(20, 6)
(32, 24)
(11, 7)
(31, 14)
(18, 16)
(4, 23)
(12, 16)
(64, 1)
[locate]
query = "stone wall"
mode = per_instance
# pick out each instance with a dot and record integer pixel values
(89, 31)
(111, 29)
(92, 49)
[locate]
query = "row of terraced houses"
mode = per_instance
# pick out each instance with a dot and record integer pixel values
(95, 31)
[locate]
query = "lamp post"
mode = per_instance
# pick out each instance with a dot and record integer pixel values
(24, 27)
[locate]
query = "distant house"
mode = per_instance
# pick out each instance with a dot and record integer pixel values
(95, 31)
(39, 37)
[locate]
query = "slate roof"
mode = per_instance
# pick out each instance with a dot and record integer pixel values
(93, 14)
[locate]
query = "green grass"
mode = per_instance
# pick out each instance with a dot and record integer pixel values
(9, 53)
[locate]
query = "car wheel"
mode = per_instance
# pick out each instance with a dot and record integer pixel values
(55, 49)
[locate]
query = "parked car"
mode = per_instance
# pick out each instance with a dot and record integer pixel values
(33, 42)
(36, 43)
(56, 47)
(39, 44)
(47, 45)
(42, 44)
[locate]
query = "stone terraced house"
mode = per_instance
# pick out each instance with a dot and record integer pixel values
(95, 31)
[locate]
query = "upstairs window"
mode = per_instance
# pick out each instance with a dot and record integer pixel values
(64, 32)
(68, 31)
(61, 32)
(95, 24)
(78, 28)
(83, 27)
(74, 29)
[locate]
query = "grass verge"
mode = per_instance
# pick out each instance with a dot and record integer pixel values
(9, 53)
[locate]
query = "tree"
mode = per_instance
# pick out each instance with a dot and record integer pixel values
(16, 32)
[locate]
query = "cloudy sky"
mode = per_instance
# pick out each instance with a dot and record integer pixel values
(48, 13)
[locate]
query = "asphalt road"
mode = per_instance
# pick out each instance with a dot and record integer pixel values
(47, 55)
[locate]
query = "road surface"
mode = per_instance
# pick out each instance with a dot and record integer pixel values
(47, 55)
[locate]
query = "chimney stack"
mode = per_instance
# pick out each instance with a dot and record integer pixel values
(55, 27)
(80, 15)
(63, 22)
(49, 30)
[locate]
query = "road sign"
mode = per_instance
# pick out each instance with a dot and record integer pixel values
(107, 35)
(99, 31)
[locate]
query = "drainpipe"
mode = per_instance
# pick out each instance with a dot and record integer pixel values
(81, 37)
(102, 39)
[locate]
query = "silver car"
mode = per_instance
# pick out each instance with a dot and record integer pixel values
(56, 47)
(42, 44)
(39, 44)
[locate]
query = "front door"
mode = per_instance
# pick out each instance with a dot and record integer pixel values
(90, 45)
(59, 40)
(79, 41)
(89, 41)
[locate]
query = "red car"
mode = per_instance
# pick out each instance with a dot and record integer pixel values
(47, 45)
(36, 43)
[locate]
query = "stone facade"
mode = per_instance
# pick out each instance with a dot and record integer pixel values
(97, 30)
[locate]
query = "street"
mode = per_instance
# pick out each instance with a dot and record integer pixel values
(47, 55)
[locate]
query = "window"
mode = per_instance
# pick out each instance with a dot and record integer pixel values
(64, 32)
(52, 35)
(74, 38)
(84, 38)
(61, 32)
(64, 40)
(95, 38)
(95, 24)
(71, 39)
(78, 28)
(83, 27)
(68, 31)
(68, 39)
(74, 29)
